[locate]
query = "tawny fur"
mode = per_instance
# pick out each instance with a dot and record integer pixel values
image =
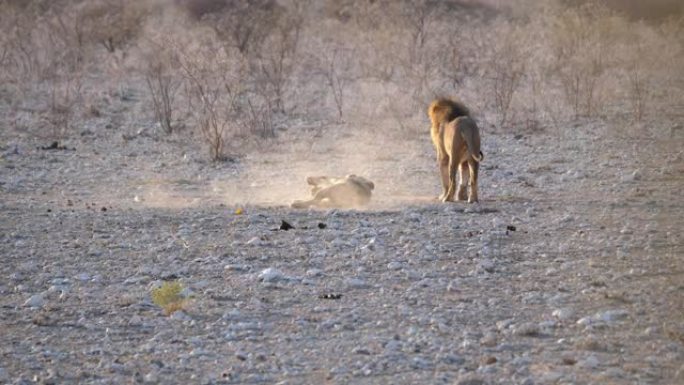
(350, 191)
(456, 138)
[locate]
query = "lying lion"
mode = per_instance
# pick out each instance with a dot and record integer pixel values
(347, 192)
(456, 138)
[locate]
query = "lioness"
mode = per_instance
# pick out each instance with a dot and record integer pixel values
(350, 191)
(457, 140)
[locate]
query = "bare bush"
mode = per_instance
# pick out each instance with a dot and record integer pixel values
(214, 82)
(637, 91)
(581, 39)
(419, 62)
(245, 24)
(162, 82)
(24, 61)
(43, 60)
(63, 98)
(276, 61)
(112, 23)
(258, 119)
(336, 73)
(506, 68)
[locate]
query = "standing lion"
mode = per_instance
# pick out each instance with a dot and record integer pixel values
(457, 140)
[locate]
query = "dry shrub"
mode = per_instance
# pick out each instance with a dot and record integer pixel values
(581, 39)
(215, 84)
(337, 76)
(554, 61)
(26, 52)
(258, 118)
(507, 66)
(168, 297)
(113, 23)
(275, 61)
(418, 61)
(43, 59)
(244, 25)
(198, 8)
(64, 98)
(162, 79)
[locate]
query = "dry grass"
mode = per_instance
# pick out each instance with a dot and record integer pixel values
(168, 297)
(527, 65)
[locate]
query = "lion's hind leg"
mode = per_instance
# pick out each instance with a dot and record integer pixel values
(474, 168)
(453, 166)
(461, 193)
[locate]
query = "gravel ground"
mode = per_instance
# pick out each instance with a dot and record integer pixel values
(569, 271)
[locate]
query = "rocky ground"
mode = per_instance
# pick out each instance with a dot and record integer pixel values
(569, 271)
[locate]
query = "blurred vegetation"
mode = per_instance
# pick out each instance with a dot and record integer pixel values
(234, 70)
(168, 297)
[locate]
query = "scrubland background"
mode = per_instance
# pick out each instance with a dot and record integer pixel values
(229, 76)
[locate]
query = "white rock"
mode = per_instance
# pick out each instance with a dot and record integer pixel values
(505, 324)
(199, 285)
(243, 326)
(180, 316)
(563, 314)
(271, 275)
(454, 285)
(395, 265)
(614, 373)
(83, 277)
(420, 363)
(547, 326)
(489, 339)
(527, 329)
(35, 301)
(255, 241)
(357, 283)
(312, 273)
(198, 352)
(393, 345)
(559, 299)
(236, 267)
(151, 378)
(186, 292)
(590, 362)
(452, 359)
(470, 379)
(613, 315)
(550, 377)
(605, 317)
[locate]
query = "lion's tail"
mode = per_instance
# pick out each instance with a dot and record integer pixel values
(478, 158)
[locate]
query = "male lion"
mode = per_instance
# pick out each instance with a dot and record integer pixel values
(350, 191)
(457, 140)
